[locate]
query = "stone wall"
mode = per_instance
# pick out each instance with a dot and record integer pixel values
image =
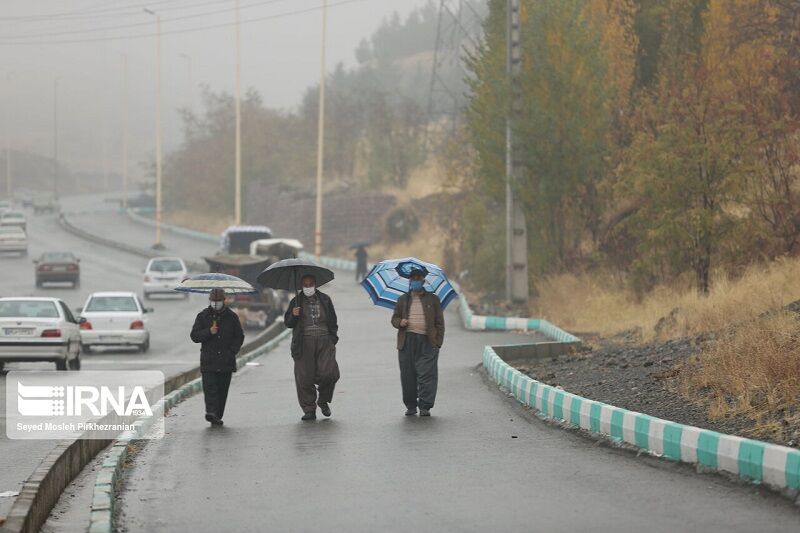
(350, 215)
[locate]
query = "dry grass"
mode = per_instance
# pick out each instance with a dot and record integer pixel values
(752, 371)
(198, 221)
(604, 304)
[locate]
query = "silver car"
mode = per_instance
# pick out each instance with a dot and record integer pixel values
(39, 329)
(13, 239)
(114, 319)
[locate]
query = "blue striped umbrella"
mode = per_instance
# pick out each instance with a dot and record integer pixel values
(205, 283)
(388, 280)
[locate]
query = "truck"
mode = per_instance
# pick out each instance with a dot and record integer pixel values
(235, 258)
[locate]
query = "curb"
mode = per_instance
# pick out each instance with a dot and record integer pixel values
(109, 473)
(777, 467)
(69, 227)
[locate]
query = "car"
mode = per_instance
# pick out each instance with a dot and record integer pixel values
(39, 329)
(5, 205)
(44, 203)
(54, 267)
(14, 218)
(114, 319)
(25, 198)
(13, 239)
(162, 275)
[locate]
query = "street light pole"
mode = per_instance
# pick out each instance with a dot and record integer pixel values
(8, 140)
(55, 137)
(124, 131)
(321, 135)
(158, 244)
(238, 170)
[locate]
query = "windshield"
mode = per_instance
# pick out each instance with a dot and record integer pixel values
(112, 304)
(28, 309)
(58, 257)
(166, 265)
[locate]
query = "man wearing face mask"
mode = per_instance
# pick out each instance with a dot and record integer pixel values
(313, 319)
(220, 334)
(420, 333)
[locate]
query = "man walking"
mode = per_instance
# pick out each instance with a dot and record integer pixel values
(361, 262)
(313, 319)
(220, 334)
(419, 320)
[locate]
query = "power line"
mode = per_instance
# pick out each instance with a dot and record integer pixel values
(91, 12)
(138, 24)
(175, 32)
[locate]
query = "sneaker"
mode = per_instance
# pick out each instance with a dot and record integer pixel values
(311, 415)
(214, 419)
(325, 408)
(411, 411)
(424, 412)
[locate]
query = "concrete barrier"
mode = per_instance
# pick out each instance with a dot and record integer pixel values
(759, 462)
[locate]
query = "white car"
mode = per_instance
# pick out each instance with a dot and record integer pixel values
(39, 329)
(162, 275)
(13, 239)
(14, 218)
(114, 319)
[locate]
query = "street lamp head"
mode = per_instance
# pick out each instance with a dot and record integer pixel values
(149, 11)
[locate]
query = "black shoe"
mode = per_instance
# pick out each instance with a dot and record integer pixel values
(311, 415)
(424, 412)
(325, 408)
(411, 411)
(214, 419)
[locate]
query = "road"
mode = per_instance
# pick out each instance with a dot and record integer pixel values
(101, 269)
(481, 463)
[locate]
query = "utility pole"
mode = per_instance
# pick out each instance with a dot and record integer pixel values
(238, 187)
(321, 135)
(55, 137)
(8, 138)
(124, 131)
(158, 244)
(516, 236)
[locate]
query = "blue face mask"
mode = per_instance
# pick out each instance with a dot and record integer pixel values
(415, 285)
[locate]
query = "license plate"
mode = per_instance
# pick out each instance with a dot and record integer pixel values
(18, 332)
(59, 269)
(110, 337)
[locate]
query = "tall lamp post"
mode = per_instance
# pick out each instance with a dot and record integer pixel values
(8, 139)
(55, 136)
(124, 131)
(321, 135)
(158, 244)
(238, 98)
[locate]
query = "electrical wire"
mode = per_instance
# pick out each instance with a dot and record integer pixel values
(176, 32)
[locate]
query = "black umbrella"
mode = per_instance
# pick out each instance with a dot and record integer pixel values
(288, 274)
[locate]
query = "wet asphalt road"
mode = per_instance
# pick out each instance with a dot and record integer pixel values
(479, 464)
(101, 269)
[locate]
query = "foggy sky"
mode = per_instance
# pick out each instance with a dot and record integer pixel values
(280, 58)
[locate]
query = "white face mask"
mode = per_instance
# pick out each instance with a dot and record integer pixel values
(309, 291)
(217, 305)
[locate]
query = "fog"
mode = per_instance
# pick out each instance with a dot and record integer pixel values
(82, 44)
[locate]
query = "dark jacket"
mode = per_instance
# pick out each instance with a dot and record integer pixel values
(296, 322)
(218, 352)
(434, 318)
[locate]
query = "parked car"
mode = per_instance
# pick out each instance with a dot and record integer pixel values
(54, 267)
(44, 203)
(162, 275)
(39, 329)
(13, 239)
(14, 218)
(114, 319)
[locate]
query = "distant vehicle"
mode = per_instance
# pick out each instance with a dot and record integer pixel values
(5, 205)
(14, 218)
(25, 198)
(44, 204)
(142, 200)
(235, 258)
(13, 239)
(39, 329)
(114, 319)
(63, 267)
(162, 275)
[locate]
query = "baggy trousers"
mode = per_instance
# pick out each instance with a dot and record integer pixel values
(316, 368)
(419, 371)
(215, 391)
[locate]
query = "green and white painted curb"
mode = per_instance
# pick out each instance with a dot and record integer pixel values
(760, 462)
(109, 473)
